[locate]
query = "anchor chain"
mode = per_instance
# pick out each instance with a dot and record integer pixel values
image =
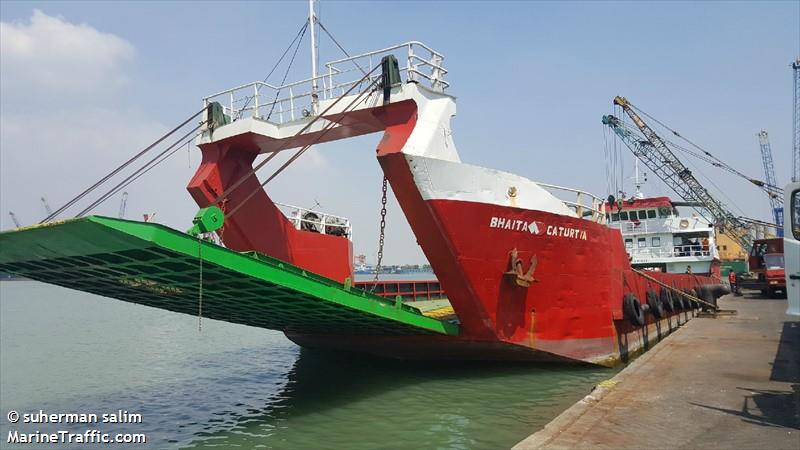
(382, 235)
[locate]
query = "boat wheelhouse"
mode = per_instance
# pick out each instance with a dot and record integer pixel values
(658, 238)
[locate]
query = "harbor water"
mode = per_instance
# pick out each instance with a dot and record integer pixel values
(232, 386)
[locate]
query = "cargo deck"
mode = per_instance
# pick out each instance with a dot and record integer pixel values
(153, 265)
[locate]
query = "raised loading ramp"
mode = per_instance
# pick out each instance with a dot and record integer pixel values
(153, 265)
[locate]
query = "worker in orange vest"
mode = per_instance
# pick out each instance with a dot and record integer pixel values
(732, 281)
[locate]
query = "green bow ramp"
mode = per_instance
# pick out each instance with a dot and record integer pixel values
(150, 264)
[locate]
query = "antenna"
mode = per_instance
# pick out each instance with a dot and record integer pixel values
(637, 181)
(312, 19)
(123, 204)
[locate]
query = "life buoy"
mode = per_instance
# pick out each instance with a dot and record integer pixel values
(633, 309)
(655, 304)
(684, 223)
(666, 300)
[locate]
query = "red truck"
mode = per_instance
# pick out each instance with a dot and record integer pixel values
(766, 266)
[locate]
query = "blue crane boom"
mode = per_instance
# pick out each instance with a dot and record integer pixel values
(775, 201)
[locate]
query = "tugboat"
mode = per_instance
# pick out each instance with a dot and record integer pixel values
(532, 271)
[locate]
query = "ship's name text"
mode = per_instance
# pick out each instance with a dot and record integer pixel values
(536, 227)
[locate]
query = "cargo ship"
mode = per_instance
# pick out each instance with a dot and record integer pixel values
(531, 271)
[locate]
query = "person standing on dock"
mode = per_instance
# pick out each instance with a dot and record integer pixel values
(732, 281)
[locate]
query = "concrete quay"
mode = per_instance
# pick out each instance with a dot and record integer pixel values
(725, 382)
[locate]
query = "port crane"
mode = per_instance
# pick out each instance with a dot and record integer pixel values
(123, 204)
(775, 198)
(657, 156)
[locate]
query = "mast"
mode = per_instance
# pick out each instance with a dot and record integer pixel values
(637, 181)
(312, 19)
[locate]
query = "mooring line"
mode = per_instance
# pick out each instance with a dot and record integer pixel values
(664, 285)
(200, 286)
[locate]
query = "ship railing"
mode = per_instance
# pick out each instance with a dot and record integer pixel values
(300, 99)
(660, 225)
(315, 221)
(675, 251)
(585, 206)
(691, 250)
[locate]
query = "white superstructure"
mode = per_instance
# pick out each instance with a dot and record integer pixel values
(657, 237)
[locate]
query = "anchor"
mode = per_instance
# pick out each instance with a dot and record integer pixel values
(521, 278)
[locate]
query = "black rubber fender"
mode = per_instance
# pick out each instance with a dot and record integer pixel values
(632, 309)
(687, 302)
(680, 300)
(666, 299)
(655, 304)
(706, 293)
(693, 293)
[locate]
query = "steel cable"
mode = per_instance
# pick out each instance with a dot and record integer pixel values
(255, 169)
(118, 169)
(324, 131)
(153, 162)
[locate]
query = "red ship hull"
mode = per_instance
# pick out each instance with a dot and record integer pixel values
(571, 310)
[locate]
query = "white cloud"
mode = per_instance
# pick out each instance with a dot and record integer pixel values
(52, 54)
(58, 134)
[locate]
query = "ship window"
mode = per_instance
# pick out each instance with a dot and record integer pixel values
(628, 243)
(651, 213)
(642, 242)
(655, 242)
(623, 215)
(642, 214)
(663, 212)
(614, 217)
(724, 247)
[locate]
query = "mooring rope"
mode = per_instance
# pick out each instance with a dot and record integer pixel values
(200, 285)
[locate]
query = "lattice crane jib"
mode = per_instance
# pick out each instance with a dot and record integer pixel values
(656, 155)
(775, 201)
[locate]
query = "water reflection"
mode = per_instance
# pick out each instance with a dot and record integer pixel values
(66, 351)
(345, 402)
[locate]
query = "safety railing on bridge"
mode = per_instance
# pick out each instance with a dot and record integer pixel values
(294, 101)
(641, 254)
(661, 225)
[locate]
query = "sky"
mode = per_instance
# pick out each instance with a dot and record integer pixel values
(85, 85)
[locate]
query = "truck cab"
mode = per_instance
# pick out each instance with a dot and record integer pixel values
(767, 263)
